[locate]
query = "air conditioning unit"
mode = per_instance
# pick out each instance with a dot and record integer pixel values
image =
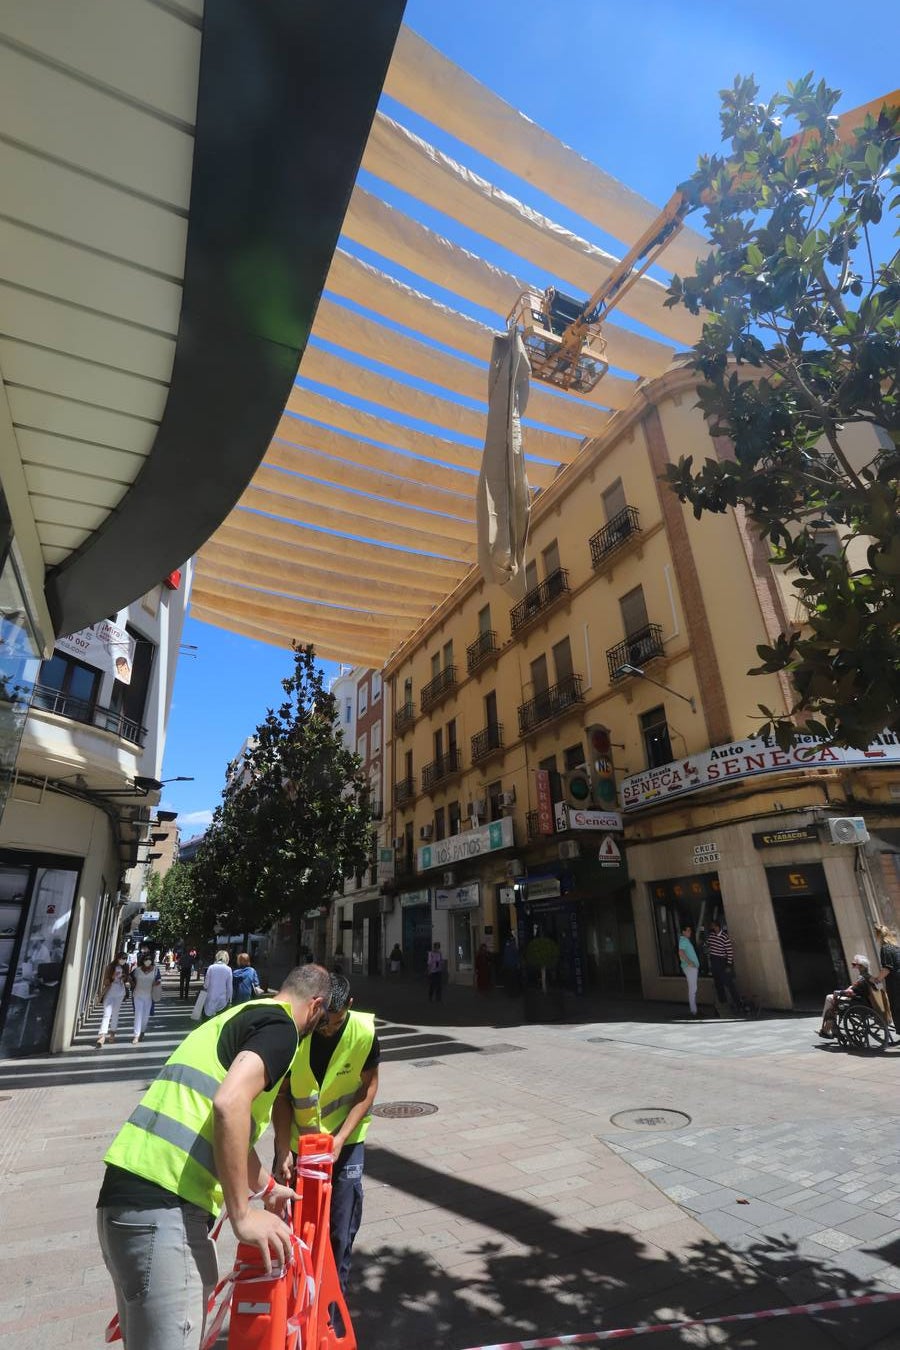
(568, 849)
(847, 830)
(508, 798)
(425, 832)
(449, 878)
(478, 807)
(398, 843)
(386, 904)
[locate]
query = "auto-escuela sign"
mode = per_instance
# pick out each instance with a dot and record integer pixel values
(105, 646)
(749, 759)
(469, 844)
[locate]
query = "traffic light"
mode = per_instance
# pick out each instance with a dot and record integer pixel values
(577, 787)
(603, 775)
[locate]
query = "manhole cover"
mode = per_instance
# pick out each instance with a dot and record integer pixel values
(500, 1048)
(403, 1110)
(425, 1064)
(650, 1118)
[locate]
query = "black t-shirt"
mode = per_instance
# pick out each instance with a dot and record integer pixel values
(269, 1032)
(321, 1048)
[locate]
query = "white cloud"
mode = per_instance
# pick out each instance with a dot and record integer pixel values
(195, 818)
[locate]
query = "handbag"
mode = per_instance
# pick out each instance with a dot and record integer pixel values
(197, 1010)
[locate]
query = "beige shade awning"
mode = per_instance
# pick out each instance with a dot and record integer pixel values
(361, 517)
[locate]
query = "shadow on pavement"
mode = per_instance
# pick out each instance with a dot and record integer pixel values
(536, 1278)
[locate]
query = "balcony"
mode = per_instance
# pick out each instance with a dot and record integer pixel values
(404, 791)
(440, 770)
(438, 688)
(404, 717)
(539, 600)
(624, 528)
(90, 713)
(549, 704)
(638, 649)
(479, 652)
(487, 742)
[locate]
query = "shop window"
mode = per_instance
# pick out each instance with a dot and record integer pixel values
(440, 823)
(494, 792)
(462, 939)
(676, 901)
(573, 756)
(655, 731)
(35, 909)
(453, 817)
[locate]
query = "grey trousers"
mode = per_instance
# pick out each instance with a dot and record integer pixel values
(163, 1268)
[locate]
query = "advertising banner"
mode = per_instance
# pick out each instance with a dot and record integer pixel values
(594, 820)
(104, 646)
(749, 759)
(544, 801)
(469, 844)
(458, 897)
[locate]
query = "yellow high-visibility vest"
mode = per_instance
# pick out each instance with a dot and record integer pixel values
(322, 1109)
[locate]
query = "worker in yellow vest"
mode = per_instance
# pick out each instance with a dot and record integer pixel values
(330, 1090)
(186, 1148)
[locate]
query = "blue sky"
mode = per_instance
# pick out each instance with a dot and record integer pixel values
(633, 87)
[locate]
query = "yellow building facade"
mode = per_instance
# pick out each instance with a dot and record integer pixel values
(641, 621)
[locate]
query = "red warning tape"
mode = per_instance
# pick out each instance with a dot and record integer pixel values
(647, 1328)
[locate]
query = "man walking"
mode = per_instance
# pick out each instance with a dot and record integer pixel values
(690, 965)
(185, 970)
(435, 966)
(186, 1148)
(330, 1090)
(721, 965)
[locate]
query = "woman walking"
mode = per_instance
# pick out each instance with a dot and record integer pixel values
(219, 985)
(145, 984)
(113, 988)
(889, 956)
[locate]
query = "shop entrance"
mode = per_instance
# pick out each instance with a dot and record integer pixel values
(559, 920)
(807, 931)
(416, 938)
(613, 968)
(36, 904)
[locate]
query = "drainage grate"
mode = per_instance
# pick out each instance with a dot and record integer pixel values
(650, 1118)
(500, 1049)
(403, 1110)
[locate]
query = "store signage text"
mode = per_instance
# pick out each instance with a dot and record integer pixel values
(594, 820)
(104, 646)
(470, 844)
(749, 759)
(409, 899)
(798, 834)
(385, 864)
(458, 897)
(544, 801)
(703, 854)
(544, 888)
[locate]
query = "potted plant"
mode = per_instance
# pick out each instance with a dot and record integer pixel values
(542, 1003)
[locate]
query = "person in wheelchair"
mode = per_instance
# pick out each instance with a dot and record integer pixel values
(859, 989)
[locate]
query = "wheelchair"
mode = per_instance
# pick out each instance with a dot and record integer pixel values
(858, 1026)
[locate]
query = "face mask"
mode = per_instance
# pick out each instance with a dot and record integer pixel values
(146, 964)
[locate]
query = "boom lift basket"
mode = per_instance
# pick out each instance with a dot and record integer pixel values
(543, 318)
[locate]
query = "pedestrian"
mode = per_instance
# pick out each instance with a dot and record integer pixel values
(889, 956)
(330, 1090)
(187, 1148)
(483, 968)
(185, 970)
(113, 987)
(435, 967)
(690, 964)
(720, 949)
(395, 960)
(858, 989)
(146, 982)
(219, 985)
(245, 981)
(512, 966)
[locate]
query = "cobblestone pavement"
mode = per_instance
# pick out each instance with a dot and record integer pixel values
(517, 1209)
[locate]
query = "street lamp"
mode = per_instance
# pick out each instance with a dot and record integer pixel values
(155, 784)
(642, 675)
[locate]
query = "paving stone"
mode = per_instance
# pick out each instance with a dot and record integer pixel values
(835, 1240)
(870, 1226)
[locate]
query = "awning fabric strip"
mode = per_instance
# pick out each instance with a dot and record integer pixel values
(361, 517)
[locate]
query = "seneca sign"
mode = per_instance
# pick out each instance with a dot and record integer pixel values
(749, 759)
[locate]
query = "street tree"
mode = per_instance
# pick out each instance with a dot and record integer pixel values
(186, 919)
(800, 344)
(295, 816)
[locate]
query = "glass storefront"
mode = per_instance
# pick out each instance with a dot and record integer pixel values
(36, 900)
(462, 939)
(19, 665)
(680, 900)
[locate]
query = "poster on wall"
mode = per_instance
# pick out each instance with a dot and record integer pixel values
(104, 646)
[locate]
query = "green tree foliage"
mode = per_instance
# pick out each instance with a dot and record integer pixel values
(294, 819)
(801, 339)
(185, 918)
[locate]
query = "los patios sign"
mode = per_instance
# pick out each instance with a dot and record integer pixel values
(469, 844)
(749, 759)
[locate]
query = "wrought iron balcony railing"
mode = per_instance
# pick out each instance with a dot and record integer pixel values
(90, 713)
(540, 599)
(404, 791)
(404, 716)
(638, 649)
(625, 525)
(533, 825)
(487, 741)
(481, 650)
(438, 688)
(439, 770)
(550, 704)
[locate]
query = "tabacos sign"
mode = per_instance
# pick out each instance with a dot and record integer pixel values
(749, 759)
(470, 844)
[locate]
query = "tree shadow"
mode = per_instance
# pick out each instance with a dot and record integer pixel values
(534, 1276)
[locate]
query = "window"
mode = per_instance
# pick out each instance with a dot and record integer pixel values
(362, 746)
(440, 826)
(574, 756)
(362, 698)
(493, 795)
(562, 660)
(655, 731)
(376, 739)
(695, 900)
(539, 678)
(130, 700)
(634, 611)
(407, 689)
(453, 817)
(549, 766)
(448, 654)
(531, 575)
(438, 738)
(68, 687)
(409, 765)
(490, 709)
(409, 847)
(550, 556)
(451, 737)
(484, 619)
(348, 711)
(614, 499)
(462, 939)
(376, 686)
(435, 665)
